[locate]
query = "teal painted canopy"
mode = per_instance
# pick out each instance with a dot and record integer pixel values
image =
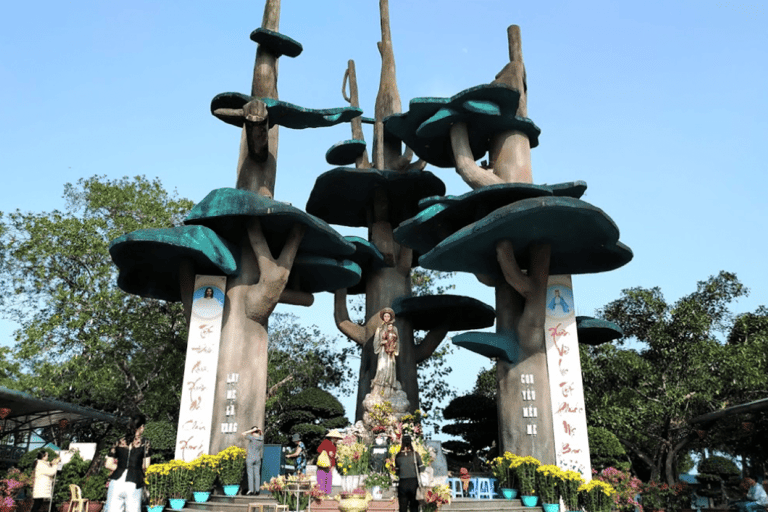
(226, 211)
(149, 259)
(277, 43)
(486, 109)
(368, 258)
(455, 312)
(595, 331)
(281, 113)
(489, 344)
(345, 152)
(442, 218)
(344, 195)
(583, 238)
(314, 274)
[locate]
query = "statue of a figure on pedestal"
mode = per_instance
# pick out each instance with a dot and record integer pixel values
(385, 387)
(386, 347)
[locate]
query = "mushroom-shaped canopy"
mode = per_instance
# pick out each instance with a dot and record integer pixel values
(582, 237)
(455, 312)
(442, 218)
(345, 152)
(489, 344)
(228, 107)
(227, 210)
(368, 257)
(487, 109)
(312, 274)
(595, 331)
(344, 195)
(149, 259)
(277, 43)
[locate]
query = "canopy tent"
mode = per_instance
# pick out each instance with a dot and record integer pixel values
(22, 414)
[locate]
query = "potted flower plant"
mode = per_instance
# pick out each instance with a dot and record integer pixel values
(377, 483)
(568, 488)
(525, 471)
(203, 473)
(231, 469)
(351, 462)
(436, 497)
(179, 483)
(547, 477)
(156, 480)
(596, 496)
(502, 470)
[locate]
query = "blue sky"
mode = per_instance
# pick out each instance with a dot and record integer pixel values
(661, 107)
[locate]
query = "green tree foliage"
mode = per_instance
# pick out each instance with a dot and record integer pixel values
(474, 418)
(681, 370)
(82, 339)
(304, 367)
(311, 413)
(605, 450)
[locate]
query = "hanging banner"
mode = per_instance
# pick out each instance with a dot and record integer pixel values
(566, 386)
(196, 411)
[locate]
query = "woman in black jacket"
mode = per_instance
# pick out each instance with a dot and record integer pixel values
(406, 462)
(128, 459)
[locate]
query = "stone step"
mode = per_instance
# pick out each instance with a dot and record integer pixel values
(221, 503)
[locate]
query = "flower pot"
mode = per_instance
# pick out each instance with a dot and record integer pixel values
(177, 503)
(155, 508)
(377, 492)
(509, 494)
(350, 482)
(529, 501)
(201, 496)
(551, 507)
(231, 490)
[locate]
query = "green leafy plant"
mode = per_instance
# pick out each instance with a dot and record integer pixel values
(95, 486)
(383, 480)
(73, 472)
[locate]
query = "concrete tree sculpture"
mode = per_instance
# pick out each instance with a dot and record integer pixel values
(271, 252)
(380, 197)
(511, 234)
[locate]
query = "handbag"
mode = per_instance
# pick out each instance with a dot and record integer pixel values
(421, 493)
(324, 461)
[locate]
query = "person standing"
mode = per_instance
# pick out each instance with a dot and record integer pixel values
(254, 454)
(325, 474)
(756, 498)
(44, 473)
(128, 459)
(300, 454)
(406, 463)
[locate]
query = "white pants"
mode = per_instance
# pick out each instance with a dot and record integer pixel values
(123, 496)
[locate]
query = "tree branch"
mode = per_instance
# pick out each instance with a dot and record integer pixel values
(430, 343)
(505, 255)
(474, 175)
(341, 316)
(271, 392)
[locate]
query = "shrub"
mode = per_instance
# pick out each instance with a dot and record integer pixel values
(626, 488)
(605, 450)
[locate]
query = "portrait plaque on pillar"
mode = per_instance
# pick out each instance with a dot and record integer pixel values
(197, 394)
(566, 387)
